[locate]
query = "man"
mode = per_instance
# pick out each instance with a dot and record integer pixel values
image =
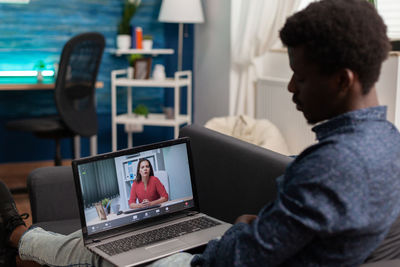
(338, 199)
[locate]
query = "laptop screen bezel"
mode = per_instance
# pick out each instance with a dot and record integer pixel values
(98, 236)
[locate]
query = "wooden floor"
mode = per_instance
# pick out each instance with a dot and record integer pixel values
(14, 176)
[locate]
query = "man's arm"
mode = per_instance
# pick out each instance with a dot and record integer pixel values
(270, 239)
(303, 208)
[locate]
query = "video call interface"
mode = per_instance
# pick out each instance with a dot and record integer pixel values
(113, 197)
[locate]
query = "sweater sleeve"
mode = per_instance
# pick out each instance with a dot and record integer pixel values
(271, 239)
(160, 188)
(132, 198)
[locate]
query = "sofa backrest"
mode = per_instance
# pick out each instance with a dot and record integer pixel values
(52, 194)
(233, 177)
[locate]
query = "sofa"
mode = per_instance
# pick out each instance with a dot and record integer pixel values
(218, 160)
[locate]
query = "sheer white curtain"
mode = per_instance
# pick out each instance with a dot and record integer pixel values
(389, 10)
(255, 28)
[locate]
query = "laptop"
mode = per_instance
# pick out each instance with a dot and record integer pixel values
(127, 236)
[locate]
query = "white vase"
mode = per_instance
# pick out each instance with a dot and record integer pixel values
(159, 72)
(123, 41)
(129, 72)
(39, 76)
(147, 44)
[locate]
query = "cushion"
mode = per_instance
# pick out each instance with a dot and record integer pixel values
(259, 132)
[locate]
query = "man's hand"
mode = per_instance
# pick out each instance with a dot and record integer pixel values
(246, 218)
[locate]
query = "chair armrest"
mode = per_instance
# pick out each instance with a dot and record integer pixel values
(52, 194)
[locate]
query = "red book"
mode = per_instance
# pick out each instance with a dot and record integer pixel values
(139, 37)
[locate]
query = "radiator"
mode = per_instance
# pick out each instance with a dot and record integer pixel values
(274, 102)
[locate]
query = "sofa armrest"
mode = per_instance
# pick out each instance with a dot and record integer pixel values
(52, 194)
(233, 177)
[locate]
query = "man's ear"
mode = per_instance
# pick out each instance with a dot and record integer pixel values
(346, 79)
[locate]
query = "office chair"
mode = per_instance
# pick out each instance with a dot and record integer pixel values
(74, 95)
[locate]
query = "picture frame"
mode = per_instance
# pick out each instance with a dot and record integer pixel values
(142, 67)
(100, 211)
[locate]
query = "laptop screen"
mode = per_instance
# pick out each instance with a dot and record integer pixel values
(129, 186)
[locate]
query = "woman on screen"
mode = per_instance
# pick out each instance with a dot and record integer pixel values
(146, 188)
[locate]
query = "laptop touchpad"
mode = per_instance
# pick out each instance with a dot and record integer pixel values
(166, 246)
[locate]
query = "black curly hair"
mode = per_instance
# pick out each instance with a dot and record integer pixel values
(340, 34)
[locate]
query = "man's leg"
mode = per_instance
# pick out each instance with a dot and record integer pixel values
(181, 259)
(54, 249)
(37, 244)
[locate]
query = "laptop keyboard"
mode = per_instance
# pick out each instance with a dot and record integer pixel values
(157, 235)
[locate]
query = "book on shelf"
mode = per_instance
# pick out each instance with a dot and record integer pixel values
(139, 37)
(133, 37)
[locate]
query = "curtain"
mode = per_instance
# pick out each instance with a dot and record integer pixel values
(389, 10)
(99, 181)
(255, 29)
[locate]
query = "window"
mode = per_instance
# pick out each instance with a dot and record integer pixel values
(388, 9)
(305, 3)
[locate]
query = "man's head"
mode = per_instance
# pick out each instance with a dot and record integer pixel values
(344, 43)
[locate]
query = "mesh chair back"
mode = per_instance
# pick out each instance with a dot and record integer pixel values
(75, 84)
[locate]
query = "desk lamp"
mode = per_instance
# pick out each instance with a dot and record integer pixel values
(181, 11)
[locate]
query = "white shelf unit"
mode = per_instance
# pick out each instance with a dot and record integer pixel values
(119, 79)
(154, 52)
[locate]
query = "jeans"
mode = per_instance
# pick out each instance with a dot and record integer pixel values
(52, 249)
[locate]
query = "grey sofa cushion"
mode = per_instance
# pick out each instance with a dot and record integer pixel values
(390, 246)
(391, 263)
(52, 194)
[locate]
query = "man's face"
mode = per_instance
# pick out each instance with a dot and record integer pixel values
(314, 94)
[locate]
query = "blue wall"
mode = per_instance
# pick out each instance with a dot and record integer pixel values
(38, 31)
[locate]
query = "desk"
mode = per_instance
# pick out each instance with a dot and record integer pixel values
(25, 85)
(34, 86)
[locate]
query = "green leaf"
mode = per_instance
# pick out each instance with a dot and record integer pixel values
(40, 65)
(141, 110)
(128, 12)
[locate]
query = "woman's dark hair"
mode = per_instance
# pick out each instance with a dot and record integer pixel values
(138, 176)
(340, 34)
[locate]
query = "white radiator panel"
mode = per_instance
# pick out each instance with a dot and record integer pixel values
(387, 88)
(274, 102)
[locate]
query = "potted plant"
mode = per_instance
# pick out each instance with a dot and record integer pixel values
(40, 65)
(141, 110)
(124, 37)
(147, 42)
